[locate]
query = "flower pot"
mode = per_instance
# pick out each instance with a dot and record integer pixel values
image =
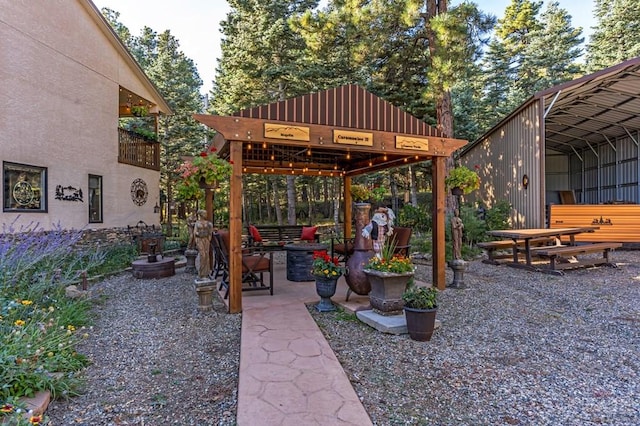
(420, 323)
(386, 290)
(326, 288)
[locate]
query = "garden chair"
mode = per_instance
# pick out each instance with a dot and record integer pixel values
(255, 263)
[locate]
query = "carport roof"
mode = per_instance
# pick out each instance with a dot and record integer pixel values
(594, 109)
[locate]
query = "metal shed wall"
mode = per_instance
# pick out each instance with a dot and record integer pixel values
(607, 173)
(503, 157)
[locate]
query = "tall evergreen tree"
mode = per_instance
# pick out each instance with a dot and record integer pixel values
(617, 34)
(553, 52)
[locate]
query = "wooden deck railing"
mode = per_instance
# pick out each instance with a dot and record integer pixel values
(138, 151)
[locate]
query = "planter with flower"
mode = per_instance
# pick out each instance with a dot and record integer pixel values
(420, 305)
(360, 194)
(326, 270)
(389, 276)
(462, 180)
(202, 172)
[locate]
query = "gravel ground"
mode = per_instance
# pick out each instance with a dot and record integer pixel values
(156, 360)
(515, 348)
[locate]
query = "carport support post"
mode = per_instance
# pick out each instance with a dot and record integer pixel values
(235, 228)
(438, 218)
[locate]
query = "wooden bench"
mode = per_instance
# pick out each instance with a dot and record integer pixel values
(556, 253)
(491, 247)
(275, 236)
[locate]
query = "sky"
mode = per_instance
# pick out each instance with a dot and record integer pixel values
(196, 23)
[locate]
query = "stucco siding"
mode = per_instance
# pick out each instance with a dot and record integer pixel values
(59, 86)
(502, 158)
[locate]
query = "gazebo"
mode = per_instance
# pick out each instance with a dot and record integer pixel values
(341, 132)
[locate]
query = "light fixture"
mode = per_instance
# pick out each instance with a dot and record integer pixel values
(264, 145)
(525, 181)
(156, 208)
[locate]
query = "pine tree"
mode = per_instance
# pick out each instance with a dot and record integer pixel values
(617, 34)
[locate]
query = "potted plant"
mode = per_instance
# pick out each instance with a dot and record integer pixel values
(420, 305)
(326, 270)
(462, 180)
(360, 193)
(202, 171)
(389, 275)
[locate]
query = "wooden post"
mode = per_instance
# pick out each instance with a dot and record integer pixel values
(235, 229)
(438, 217)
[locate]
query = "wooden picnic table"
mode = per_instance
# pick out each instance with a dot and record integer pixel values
(526, 235)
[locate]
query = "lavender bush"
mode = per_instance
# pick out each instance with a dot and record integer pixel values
(39, 326)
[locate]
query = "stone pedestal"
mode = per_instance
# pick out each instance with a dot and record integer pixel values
(204, 290)
(191, 255)
(458, 266)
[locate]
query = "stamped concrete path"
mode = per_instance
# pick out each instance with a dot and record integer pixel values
(288, 373)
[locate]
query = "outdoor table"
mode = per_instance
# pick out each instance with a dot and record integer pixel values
(300, 260)
(527, 235)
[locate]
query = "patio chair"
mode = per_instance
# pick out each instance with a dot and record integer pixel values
(255, 263)
(343, 248)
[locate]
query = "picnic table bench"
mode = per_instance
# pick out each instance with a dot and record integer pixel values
(556, 253)
(491, 247)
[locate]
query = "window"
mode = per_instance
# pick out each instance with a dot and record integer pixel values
(25, 188)
(95, 199)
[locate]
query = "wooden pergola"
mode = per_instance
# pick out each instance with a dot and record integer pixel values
(342, 132)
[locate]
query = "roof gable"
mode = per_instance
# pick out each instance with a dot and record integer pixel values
(348, 106)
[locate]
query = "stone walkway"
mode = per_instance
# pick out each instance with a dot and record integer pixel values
(288, 373)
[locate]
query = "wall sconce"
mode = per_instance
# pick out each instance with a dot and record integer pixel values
(525, 181)
(156, 208)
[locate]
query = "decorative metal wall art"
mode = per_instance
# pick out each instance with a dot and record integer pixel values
(68, 193)
(139, 192)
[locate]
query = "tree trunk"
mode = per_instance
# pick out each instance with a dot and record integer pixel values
(413, 186)
(291, 200)
(276, 202)
(394, 193)
(337, 190)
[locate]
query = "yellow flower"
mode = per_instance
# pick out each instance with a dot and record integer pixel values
(19, 323)
(27, 302)
(71, 328)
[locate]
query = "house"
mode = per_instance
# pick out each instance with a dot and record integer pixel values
(65, 81)
(568, 156)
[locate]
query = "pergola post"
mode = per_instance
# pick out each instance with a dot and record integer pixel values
(235, 228)
(438, 219)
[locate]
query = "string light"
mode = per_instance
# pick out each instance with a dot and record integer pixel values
(264, 145)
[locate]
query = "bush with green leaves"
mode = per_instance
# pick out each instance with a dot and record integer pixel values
(418, 218)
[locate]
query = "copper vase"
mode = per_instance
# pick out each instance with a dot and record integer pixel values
(356, 279)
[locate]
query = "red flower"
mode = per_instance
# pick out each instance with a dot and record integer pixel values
(203, 154)
(213, 148)
(230, 161)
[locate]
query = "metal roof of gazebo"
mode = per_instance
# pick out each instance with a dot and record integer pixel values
(340, 132)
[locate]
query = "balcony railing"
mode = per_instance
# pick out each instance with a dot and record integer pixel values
(138, 151)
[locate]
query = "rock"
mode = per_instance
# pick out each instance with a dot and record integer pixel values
(72, 292)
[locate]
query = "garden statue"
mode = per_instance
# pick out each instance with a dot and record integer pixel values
(456, 234)
(191, 221)
(380, 227)
(203, 230)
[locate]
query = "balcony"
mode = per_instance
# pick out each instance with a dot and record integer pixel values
(137, 150)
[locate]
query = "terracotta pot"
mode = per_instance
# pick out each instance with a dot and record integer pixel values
(356, 279)
(420, 323)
